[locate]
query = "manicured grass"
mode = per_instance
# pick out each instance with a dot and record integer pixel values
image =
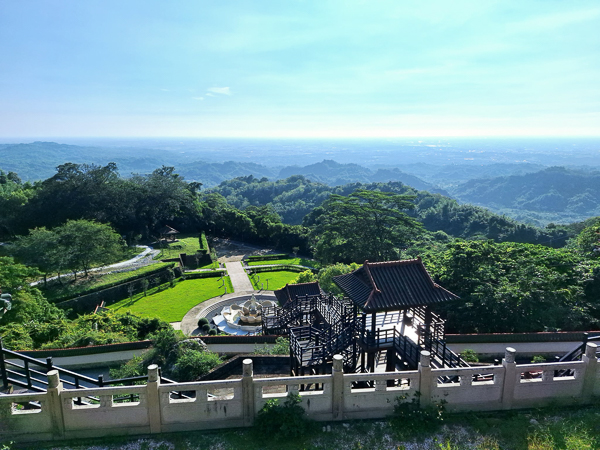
(277, 279)
(172, 303)
(187, 244)
(212, 265)
(298, 261)
(55, 291)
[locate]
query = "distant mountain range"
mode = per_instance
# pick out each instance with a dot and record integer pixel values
(565, 195)
(527, 192)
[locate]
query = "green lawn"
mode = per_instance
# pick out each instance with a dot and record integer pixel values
(277, 279)
(56, 292)
(212, 265)
(187, 244)
(299, 261)
(172, 303)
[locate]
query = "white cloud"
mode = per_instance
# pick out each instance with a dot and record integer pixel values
(208, 94)
(219, 90)
(198, 98)
(165, 90)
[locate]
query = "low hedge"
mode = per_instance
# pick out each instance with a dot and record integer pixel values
(204, 243)
(205, 274)
(279, 268)
(267, 257)
(136, 276)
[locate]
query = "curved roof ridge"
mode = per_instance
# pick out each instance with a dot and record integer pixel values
(395, 263)
(366, 266)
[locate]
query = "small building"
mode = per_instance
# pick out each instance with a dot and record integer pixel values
(168, 233)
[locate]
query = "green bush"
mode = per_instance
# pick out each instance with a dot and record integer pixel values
(202, 321)
(469, 355)
(282, 421)
(192, 364)
(206, 328)
(410, 420)
(537, 359)
(179, 358)
(281, 347)
(212, 332)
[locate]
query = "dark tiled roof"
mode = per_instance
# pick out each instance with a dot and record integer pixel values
(291, 291)
(391, 286)
(168, 230)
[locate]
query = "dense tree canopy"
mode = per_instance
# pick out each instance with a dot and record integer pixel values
(366, 225)
(511, 287)
(76, 245)
(135, 206)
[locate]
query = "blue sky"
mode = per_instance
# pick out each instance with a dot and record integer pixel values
(299, 68)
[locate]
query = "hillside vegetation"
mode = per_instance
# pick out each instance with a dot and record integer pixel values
(554, 194)
(508, 275)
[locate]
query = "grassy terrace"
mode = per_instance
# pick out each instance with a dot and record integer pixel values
(69, 289)
(187, 244)
(299, 261)
(172, 303)
(546, 429)
(277, 279)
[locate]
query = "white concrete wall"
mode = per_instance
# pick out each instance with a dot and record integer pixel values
(234, 403)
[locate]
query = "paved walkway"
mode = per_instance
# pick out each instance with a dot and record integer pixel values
(239, 278)
(145, 258)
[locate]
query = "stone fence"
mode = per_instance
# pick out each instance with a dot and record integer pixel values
(154, 408)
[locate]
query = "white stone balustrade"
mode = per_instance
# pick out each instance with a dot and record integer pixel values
(58, 413)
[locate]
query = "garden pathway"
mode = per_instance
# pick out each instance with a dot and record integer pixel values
(239, 278)
(146, 257)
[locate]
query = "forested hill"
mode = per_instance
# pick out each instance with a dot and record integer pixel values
(38, 160)
(335, 174)
(556, 194)
(297, 200)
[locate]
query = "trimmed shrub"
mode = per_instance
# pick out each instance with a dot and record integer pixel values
(283, 421)
(202, 321)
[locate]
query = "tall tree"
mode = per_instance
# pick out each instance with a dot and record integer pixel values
(41, 249)
(89, 243)
(365, 225)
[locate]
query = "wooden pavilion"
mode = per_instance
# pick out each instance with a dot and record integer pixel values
(168, 233)
(396, 298)
(381, 324)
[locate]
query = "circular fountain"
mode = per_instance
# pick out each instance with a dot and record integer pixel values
(242, 318)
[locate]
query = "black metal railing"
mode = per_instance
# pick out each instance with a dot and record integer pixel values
(32, 374)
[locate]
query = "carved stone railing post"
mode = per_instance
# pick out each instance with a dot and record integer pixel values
(510, 377)
(248, 392)
(54, 403)
(425, 378)
(591, 368)
(153, 399)
(337, 399)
